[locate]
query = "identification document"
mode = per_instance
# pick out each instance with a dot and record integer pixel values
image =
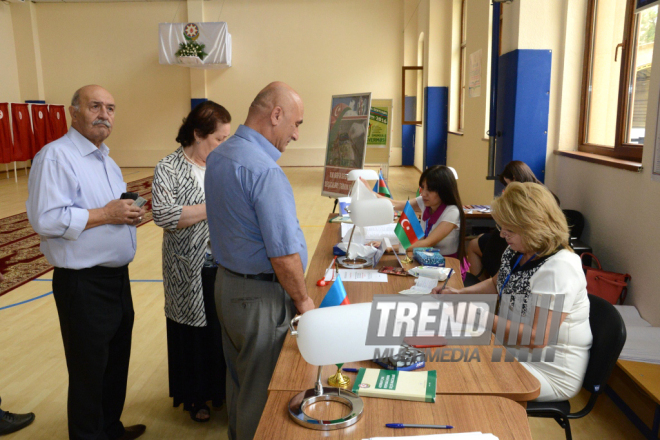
(392, 384)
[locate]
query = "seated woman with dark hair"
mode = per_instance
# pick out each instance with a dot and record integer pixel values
(485, 251)
(443, 218)
(539, 260)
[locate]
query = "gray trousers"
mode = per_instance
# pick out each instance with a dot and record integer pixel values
(254, 316)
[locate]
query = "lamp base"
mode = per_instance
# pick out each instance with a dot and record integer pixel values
(302, 400)
(356, 263)
(339, 380)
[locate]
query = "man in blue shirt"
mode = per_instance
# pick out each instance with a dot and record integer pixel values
(88, 234)
(257, 240)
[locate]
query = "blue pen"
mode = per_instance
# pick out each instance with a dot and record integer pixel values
(350, 370)
(406, 425)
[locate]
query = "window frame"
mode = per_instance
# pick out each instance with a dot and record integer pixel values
(621, 149)
(462, 63)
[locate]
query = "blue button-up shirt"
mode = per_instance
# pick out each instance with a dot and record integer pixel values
(250, 206)
(68, 177)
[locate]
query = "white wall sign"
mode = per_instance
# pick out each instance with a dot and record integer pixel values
(474, 76)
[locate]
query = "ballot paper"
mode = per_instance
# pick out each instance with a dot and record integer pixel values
(363, 275)
(451, 436)
(423, 286)
(642, 339)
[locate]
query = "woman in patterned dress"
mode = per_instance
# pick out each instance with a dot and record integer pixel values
(194, 342)
(539, 261)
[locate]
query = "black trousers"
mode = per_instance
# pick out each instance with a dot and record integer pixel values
(96, 319)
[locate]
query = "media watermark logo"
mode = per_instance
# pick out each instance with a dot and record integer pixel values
(449, 328)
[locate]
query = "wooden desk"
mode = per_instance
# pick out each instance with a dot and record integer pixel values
(635, 388)
(506, 379)
(647, 376)
(499, 416)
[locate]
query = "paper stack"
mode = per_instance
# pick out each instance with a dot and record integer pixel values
(641, 343)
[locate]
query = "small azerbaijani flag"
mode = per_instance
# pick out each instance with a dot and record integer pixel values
(417, 195)
(381, 186)
(408, 230)
(336, 296)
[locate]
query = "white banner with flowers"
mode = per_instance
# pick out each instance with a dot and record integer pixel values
(202, 45)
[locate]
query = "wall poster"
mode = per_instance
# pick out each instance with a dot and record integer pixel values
(347, 141)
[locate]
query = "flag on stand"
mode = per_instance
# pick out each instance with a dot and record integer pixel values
(336, 296)
(408, 230)
(381, 186)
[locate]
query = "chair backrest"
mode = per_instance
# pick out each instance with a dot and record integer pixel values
(575, 221)
(609, 333)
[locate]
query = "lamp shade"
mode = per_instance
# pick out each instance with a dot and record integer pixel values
(333, 335)
(371, 212)
(365, 174)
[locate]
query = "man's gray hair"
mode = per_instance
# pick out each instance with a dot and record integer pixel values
(75, 100)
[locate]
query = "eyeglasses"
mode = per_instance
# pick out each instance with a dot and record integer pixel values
(506, 232)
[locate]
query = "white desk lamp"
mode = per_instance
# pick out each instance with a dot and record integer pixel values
(327, 336)
(366, 209)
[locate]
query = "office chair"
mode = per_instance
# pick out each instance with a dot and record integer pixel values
(609, 334)
(575, 221)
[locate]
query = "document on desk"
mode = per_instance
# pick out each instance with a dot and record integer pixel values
(348, 275)
(423, 286)
(452, 436)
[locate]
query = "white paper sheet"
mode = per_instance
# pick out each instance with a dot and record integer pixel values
(631, 316)
(362, 275)
(642, 345)
(423, 286)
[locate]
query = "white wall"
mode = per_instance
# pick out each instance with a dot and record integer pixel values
(622, 208)
(9, 86)
(320, 47)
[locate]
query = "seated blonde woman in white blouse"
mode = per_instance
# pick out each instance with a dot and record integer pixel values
(539, 260)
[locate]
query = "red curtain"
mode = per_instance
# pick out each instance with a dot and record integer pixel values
(57, 122)
(6, 144)
(22, 128)
(41, 127)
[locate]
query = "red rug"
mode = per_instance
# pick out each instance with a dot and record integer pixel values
(20, 258)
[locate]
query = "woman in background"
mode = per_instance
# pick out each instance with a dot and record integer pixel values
(485, 252)
(194, 340)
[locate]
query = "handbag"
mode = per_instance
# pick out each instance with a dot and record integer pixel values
(611, 286)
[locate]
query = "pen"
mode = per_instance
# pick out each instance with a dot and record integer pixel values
(406, 425)
(447, 279)
(350, 370)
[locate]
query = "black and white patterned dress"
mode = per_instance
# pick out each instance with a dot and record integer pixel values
(184, 250)
(518, 285)
(196, 365)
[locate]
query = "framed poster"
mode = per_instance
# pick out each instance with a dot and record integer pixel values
(347, 141)
(379, 124)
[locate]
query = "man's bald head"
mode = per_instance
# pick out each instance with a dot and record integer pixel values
(276, 113)
(93, 113)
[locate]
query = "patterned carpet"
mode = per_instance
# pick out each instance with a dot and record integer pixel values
(20, 257)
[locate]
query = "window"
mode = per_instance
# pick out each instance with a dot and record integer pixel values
(617, 67)
(462, 63)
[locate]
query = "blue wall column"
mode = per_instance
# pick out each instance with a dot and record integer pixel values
(408, 132)
(523, 106)
(435, 126)
(194, 102)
